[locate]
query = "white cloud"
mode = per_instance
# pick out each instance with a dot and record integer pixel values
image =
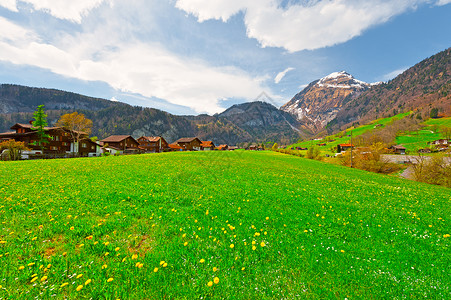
(9, 4)
(393, 74)
(443, 2)
(102, 54)
(72, 10)
(316, 24)
(282, 74)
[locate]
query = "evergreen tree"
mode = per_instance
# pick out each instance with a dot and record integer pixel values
(39, 124)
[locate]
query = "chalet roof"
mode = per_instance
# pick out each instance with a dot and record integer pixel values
(152, 138)
(186, 140)
(115, 138)
(174, 146)
(345, 145)
(29, 126)
(220, 147)
(207, 144)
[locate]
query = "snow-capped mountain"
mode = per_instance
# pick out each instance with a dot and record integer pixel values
(322, 99)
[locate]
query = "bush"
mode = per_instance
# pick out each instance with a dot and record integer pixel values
(432, 169)
(314, 153)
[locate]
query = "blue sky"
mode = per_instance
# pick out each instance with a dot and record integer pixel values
(194, 56)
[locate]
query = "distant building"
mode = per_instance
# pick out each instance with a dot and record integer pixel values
(122, 143)
(153, 144)
(207, 145)
(398, 149)
(222, 147)
(175, 147)
(189, 144)
(344, 147)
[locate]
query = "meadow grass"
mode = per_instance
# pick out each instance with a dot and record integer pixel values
(217, 225)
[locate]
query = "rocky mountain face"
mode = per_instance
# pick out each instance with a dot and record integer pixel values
(321, 100)
(421, 88)
(244, 123)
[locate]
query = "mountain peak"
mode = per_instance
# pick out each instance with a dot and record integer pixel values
(341, 80)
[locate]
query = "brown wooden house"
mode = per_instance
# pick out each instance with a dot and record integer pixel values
(122, 143)
(60, 141)
(189, 144)
(223, 147)
(153, 144)
(207, 145)
(344, 147)
(175, 147)
(398, 149)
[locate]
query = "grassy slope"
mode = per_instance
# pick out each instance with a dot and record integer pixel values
(412, 141)
(419, 139)
(327, 231)
(355, 132)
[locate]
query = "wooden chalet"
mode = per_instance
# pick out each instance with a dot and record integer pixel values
(344, 147)
(121, 144)
(60, 141)
(398, 149)
(189, 144)
(223, 147)
(153, 144)
(207, 145)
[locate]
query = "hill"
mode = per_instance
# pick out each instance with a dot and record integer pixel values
(255, 122)
(424, 86)
(203, 225)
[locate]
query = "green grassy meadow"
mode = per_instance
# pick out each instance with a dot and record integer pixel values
(219, 225)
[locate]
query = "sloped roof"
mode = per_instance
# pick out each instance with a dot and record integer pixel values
(174, 146)
(115, 138)
(207, 144)
(345, 145)
(186, 140)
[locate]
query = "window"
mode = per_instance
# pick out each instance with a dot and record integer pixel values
(53, 148)
(64, 144)
(83, 145)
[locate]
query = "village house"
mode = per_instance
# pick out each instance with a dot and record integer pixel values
(398, 149)
(59, 143)
(440, 142)
(189, 144)
(207, 145)
(222, 147)
(344, 147)
(121, 144)
(153, 144)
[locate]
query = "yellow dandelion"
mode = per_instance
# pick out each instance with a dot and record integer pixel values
(110, 279)
(185, 244)
(88, 281)
(34, 279)
(44, 278)
(140, 265)
(215, 269)
(79, 276)
(210, 283)
(134, 256)
(155, 270)
(72, 228)
(262, 244)
(104, 266)
(64, 284)
(165, 265)
(162, 262)
(79, 287)
(31, 264)
(117, 249)
(124, 259)
(446, 235)
(342, 251)
(216, 280)
(64, 253)
(48, 266)
(21, 267)
(107, 253)
(232, 246)
(253, 248)
(202, 261)
(242, 269)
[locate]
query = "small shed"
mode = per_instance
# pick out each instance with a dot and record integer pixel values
(344, 147)
(398, 149)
